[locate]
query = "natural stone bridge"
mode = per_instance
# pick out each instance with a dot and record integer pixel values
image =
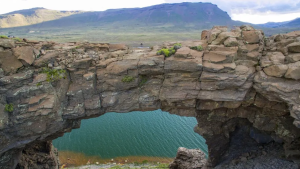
(241, 79)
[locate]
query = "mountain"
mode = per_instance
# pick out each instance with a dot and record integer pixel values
(286, 24)
(176, 14)
(272, 24)
(32, 16)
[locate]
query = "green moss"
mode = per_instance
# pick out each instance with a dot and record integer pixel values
(39, 84)
(144, 80)
(54, 74)
(18, 39)
(9, 107)
(127, 79)
(198, 48)
(3, 37)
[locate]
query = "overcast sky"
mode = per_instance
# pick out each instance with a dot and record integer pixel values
(253, 11)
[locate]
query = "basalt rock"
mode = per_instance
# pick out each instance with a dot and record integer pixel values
(240, 79)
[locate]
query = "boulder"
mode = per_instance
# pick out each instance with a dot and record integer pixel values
(215, 31)
(230, 42)
(204, 34)
(9, 63)
(189, 159)
(183, 52)
(7, 43)
(251, 36)
(25, 54)
(247, 28)
(293, 71)
(222, 37)
(278, 38)
(115, 47)
(219, 57)
(46, 58)
(294, 47)
(294, 57)
(276, 70)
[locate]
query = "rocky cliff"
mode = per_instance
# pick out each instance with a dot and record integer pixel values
(236, 80)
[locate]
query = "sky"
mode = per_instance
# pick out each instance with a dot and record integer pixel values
(252, 11)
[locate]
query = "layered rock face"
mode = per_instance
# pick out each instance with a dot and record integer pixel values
(239, 79)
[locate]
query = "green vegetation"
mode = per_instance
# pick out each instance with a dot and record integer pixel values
(177, 46)
(3, 37)
(54, 74)
(144, 80)
(145, 162)
(127, 79)
(38, 84)
(163, 165)
(165, 52)
(18, 39)
(168, 52)
(198, 48)
(9, 107)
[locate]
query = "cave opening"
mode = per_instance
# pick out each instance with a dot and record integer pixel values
(152, 136)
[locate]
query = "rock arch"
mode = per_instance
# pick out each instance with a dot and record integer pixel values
(241, 78)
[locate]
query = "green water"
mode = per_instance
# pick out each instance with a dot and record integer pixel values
(153, 133)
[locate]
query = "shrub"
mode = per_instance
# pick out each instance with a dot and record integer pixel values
(54, 74)
(177, 46)
(166, 52)
(127, 79)
(199, 48)
(9, 107)
(3, 37)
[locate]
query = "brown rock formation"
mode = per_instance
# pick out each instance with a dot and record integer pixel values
(240, 79)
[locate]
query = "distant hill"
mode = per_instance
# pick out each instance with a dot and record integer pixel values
(286, 24)
(32, 16)
(201, 14)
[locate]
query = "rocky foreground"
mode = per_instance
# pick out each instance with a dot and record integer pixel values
(240, 85)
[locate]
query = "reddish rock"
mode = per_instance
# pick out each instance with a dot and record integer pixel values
(25, 54)
(9, 63)
(115, 47)
(251, 36)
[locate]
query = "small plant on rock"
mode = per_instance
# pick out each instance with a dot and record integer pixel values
(3, 37)
(198, 48)
(18, 39)
(144, 80)
(54, 74)
(166, 52)
(38, 84)
(177, 46)
(127, 79)
(9, 107)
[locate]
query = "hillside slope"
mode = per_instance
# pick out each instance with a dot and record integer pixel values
(204, 14)
(32, 16)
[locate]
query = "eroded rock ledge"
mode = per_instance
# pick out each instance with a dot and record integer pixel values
(241, 78)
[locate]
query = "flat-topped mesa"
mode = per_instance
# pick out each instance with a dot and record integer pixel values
(228, 80)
